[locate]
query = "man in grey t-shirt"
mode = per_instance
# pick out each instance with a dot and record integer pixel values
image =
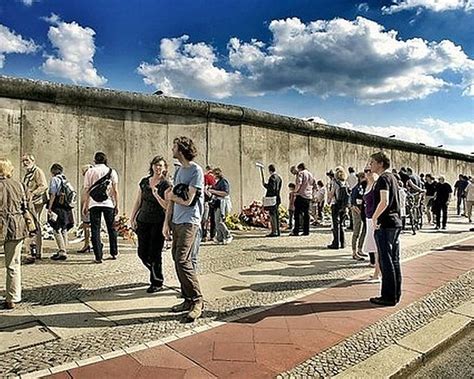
(184, 216)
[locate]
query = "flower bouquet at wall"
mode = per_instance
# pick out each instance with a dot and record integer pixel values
(233, 222)
(124, 229)
(283, 216)
(326, 214)
(255, 215)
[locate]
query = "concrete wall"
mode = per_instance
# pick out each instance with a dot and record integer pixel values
(67, 124)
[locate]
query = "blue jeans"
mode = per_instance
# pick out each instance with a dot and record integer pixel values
(388, 246)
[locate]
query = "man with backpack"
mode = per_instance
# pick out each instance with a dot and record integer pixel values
(339, 198)
(101, 197)
(62, 199)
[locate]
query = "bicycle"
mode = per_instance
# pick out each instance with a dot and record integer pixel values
(414, 210)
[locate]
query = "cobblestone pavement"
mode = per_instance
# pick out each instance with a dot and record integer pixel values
(386, 332)
(78, 280)
(452, 362)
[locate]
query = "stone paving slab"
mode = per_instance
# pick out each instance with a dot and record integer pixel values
(22, 335)
(264, 344)
(70, 319)
(386, 364)
(126, 306)
(411, 351)
(435, 333)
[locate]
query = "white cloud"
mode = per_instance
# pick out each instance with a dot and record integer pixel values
(356, 58)
(12, 43)
(432, 5)
(363, 7)
(455, 136)
(28, 3)
(75, 53)
(184, 67)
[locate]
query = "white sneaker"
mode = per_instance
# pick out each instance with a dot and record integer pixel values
(228, 240)
(373, 279)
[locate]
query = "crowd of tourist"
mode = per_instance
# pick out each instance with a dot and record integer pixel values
(190, 205)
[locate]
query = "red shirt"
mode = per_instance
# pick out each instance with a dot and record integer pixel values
(209, 179)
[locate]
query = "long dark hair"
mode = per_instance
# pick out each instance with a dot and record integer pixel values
(155, 160)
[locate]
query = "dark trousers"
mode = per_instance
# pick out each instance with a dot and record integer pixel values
(320, 210)
(208, 220)
(274, 219)
(460, 201)
(150, 246)
(301, 208)
(95, 218)
(184, 236)
(438, 209)
(338, 218)
(388, 246)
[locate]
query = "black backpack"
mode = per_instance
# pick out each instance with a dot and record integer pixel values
(98, 191)
(67, 194)
(342, 195)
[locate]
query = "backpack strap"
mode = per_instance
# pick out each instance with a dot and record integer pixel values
(101, 180)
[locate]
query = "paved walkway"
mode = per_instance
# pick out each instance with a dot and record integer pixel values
(275, 340)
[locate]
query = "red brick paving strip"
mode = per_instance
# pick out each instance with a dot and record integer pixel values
(276, 340)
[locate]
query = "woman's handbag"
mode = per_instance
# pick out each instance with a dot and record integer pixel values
(269, 201)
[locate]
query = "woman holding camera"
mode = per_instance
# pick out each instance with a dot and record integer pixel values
(147, 218)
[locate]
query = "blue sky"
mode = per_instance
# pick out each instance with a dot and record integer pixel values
(401, 67)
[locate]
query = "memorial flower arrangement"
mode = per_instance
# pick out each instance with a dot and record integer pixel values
(123, 228)
(255, 215)
(233, 222)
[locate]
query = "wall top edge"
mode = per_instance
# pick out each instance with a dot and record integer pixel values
(57, 93)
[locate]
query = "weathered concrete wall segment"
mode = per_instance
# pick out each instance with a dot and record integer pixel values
(67, 124)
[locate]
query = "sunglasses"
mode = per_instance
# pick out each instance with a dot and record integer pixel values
(367, 170)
